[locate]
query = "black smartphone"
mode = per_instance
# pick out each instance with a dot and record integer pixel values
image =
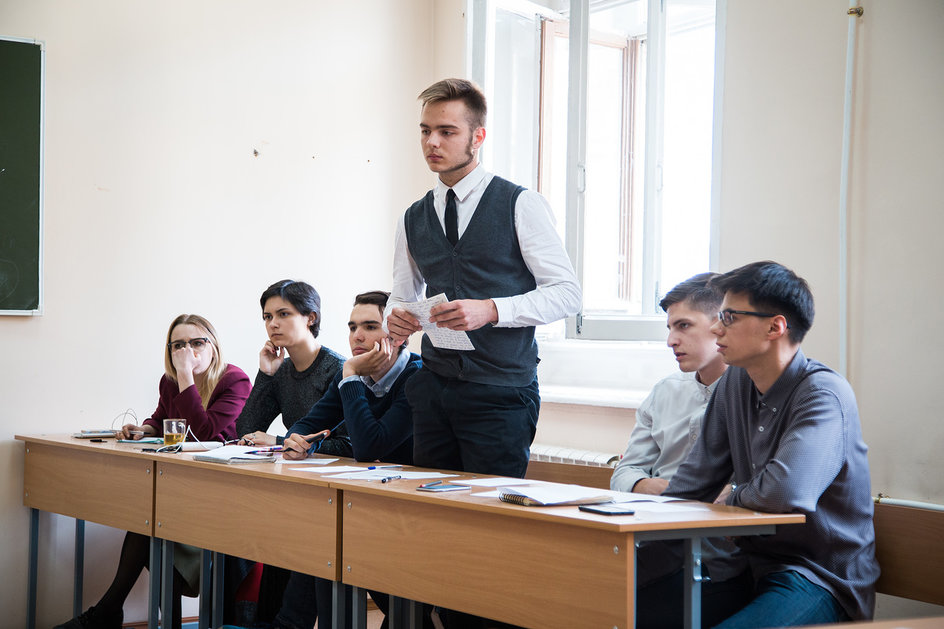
(608, 509)
(443, 487)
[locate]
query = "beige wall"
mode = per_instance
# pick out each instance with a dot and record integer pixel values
(780, 193)
(156, 205)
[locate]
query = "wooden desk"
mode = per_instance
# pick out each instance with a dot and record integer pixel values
(536, 567)
(260, 511)
(529, 566)
(104, 482)
(99, 482)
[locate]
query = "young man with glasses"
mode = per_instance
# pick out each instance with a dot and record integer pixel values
(787, 429)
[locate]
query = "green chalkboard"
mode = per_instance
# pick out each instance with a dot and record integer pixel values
(21, 106)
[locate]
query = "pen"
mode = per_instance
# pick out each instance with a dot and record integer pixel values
(382, 467)
(324, 434)
(385, 479)
(433, 484)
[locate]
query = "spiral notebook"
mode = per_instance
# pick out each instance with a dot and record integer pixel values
(554, 495)
(234, 454)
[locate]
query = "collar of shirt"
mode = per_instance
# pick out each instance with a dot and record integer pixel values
(777, 396)
(469, 191)
(707, 389)
(382, 387)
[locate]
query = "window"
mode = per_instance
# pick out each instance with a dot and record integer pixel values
(606, 107)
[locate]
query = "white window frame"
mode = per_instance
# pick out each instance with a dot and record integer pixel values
(593, 326)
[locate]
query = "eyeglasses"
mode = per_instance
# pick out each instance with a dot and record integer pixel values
(726, 317)
(197, 345)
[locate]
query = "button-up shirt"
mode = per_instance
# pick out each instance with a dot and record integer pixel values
(558, 292)
(797, 448)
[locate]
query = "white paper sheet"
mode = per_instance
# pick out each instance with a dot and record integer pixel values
(443, 338)
(310, 461)
(494, 482)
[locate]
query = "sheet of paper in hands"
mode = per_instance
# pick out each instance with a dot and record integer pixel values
(443, 338)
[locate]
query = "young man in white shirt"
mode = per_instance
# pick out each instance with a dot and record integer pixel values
(491, 247)
(669, 419)
(668, 423)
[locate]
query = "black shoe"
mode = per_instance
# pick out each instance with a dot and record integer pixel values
(94, 618)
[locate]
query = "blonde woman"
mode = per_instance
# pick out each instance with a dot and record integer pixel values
(197, 386)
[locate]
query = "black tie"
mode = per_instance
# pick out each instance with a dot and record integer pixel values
(452, 218)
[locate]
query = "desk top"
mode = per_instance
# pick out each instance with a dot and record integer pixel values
(702, 516)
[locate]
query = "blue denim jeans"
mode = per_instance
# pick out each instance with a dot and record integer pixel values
(787, 599)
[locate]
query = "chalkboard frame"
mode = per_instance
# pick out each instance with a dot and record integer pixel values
(34, 282)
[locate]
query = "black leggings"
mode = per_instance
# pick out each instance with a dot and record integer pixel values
(135, 554)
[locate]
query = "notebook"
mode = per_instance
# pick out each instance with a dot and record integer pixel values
(234, 454)
(546, 495)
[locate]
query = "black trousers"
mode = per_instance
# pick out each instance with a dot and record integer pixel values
(472, 427)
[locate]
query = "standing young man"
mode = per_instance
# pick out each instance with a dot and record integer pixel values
(787, 428)
(491, 247)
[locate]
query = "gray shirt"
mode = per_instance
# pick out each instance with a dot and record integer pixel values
(796, 449)
(288, 392)
(667, 424)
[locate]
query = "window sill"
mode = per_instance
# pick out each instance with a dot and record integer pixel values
(592, 396)
(610, 374)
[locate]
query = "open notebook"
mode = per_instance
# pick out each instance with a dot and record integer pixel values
(235, 454)
(547, 495)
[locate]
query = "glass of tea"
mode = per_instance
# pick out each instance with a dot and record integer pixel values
(174, 431)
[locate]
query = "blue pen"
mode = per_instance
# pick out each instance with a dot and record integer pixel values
(389, 478)
(383, 467)
(324, 434)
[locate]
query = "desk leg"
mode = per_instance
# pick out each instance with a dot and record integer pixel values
(404, 613)
(396, 612)
(693, 579)
(154, 583)
(206, 593)
(33, 569)
(359, 612)
(219, 563)
(338, 605)
(411, 614)
(79, 567)
(167, 584)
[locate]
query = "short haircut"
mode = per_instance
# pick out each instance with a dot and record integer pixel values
(772, 287)
(698, 292)
(372, 298)
(303, 297)
(459, 89)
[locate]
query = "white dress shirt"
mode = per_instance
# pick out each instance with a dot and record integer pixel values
(558, 292)
(667, 424)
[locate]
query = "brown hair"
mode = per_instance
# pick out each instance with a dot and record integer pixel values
(459, 89)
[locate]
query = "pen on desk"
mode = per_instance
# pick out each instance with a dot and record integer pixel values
(432, 484)
(386, 478)
(383, 467)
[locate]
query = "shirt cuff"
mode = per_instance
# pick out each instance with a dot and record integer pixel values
(354, 378)
(505, 309)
